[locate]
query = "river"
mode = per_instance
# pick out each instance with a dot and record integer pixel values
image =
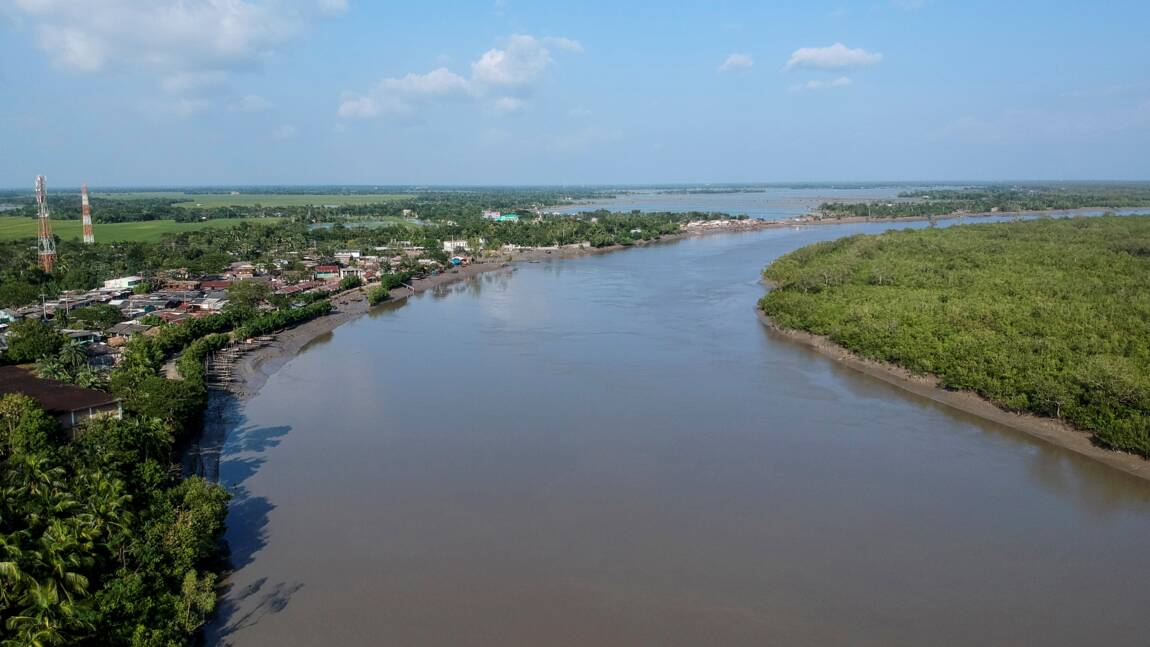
(612, 450)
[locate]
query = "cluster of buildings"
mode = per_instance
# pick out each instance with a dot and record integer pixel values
(497, 216)
(174, 296)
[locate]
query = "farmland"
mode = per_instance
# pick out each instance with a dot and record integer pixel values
(15, 227)
(211, 200)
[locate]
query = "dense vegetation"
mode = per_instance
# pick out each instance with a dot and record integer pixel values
(100, 544)
(209, 250)
(388, 282)
(1046, 316)
(987, 199)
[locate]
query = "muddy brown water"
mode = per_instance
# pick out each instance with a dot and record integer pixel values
(612, 450)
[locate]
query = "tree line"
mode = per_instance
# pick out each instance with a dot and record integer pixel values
(1050, 317)
(995, 198)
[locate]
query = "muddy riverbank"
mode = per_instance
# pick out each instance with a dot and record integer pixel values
(1049, 430)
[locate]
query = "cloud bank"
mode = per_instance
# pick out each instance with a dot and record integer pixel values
(187, 45)
(502, 74)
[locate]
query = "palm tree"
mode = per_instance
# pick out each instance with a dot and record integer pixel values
(37, 624)
(73, 356)
(89, 378)
(51, 368)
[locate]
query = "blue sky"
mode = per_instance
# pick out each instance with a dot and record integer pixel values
(168, 92)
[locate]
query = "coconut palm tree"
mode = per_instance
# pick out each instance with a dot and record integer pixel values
(73, 356)
(51, 368)
(39, 622)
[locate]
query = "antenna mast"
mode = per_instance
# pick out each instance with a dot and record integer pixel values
(86, 212)
(47, 244)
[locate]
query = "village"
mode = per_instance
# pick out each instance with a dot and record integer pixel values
(85, 335)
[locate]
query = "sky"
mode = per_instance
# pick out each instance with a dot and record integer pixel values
(242, 92)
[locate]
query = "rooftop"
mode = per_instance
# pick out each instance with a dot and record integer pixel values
(53, 397)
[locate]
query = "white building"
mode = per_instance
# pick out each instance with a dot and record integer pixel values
(347, 256)
(123, 283)
(451, 246)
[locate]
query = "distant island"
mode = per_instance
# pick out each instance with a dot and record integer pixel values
(1047, 317)
(994, 198)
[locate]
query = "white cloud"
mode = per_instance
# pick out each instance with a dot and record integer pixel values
(736, 62)
(823, 84)
(564, 44)
(837, 56)
(513, 69)
(402, 95)
(523, 61)
(507, 105)
(440, 82)
(185, 44)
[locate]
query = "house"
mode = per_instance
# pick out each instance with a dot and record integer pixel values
(451, 246)
(500, 217)
(209, 304)
(84, 337)
(242, 271)
(182, 286)
(303, 286)
(7, 316)
(347, 256)
(123, 283)
(127, 329)
(69, 404)
(345, 272)
(323, 272)
(215, 284)
(172, 316)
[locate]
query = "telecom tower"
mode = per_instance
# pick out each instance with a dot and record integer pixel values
(86, 212)
(47, 244)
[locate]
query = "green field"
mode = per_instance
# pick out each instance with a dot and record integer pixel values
(210, 200)
(14, 227)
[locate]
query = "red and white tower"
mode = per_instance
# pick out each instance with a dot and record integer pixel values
(86, 215)
(47, 244)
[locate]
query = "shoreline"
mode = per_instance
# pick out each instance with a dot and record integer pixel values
(251, 369)
(954, 215)
(1049, 430)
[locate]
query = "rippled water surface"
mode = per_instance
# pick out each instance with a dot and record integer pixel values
(612, 451)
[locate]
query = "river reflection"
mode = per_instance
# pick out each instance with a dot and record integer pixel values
(612, 450)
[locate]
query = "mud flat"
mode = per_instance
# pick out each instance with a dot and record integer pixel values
(1049, 430)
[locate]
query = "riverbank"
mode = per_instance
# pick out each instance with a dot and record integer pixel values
(252, 369)
(249, 370)
(817, 219)
(1048, 430)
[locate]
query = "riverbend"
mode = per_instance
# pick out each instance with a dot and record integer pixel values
(612, 450)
